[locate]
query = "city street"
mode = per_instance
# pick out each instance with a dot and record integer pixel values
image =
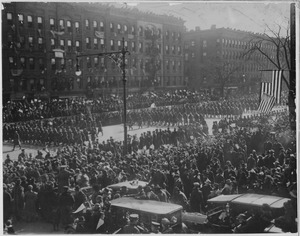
(115, 131)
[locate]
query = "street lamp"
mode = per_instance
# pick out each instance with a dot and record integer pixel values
(119, 58)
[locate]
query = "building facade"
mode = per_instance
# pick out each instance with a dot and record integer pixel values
(216, 60)
(40, 43)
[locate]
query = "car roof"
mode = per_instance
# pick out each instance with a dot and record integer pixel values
(251, 199)
(155, 207)
(128, 184)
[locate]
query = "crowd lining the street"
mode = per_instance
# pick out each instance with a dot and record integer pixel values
(185, 165)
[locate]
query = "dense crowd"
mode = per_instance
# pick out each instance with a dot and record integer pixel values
(26, 110)
(183, 166)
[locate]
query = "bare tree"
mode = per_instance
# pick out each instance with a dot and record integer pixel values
(276, 47)
(224, 72)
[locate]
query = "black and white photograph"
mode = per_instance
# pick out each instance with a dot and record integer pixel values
(149, 117)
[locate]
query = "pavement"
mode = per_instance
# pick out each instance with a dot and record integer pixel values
(114, 131)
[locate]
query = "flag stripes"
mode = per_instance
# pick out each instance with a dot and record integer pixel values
(265, 88)
(276, 84)
(267, 103)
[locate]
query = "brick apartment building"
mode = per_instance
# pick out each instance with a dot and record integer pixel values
(40, 42)
(221, 50)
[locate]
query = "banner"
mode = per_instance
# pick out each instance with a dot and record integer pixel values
(99, 34)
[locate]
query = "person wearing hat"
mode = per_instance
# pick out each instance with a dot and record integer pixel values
(7, 203)
(17, 140)
(165, 226)
(155, 227)
(196, 199)
(228, 187)
(30, 211)
(18, 199)
(8, 161)
(63, 177)
(66, 202)
(131, 227)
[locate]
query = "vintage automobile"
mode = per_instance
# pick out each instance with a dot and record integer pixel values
(147, 210)
(132, 186)
(245, 204)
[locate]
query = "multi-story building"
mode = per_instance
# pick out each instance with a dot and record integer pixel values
(40, 42)
(217, 60)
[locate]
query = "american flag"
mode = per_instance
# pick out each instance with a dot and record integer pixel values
(273, 88)
(266, 104)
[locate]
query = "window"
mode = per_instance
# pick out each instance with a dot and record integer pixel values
(62, 44)
(77, 27)
(23, 62)
(140, 47)
(173, 65)
(204, 54)
(133, 46)
(125, 44)
(77, 45)
(62, 64)
(167, 49)
(30, 41)
(167, 65)
(31, 63)
(61, 25)
(88, 62)
(69, 45)
(167, 34)
(193, 43)
(40, 43)
(119, 28)
(52, 42)
(21, 19)
(52, 24)
(29, 21)
(96, 61)
(70, 63)
(179, 50)
(40, 22)
(111, 27)
(53, 64)
(9, 17)
(88, 43)
(101, 26)
(95, 25)
(102, 43)
(173, 35)
(112, 46)
(140, 31)
(193, 55)
(95, 43)
(204, 43)
(125, 29)
(133, 30)
(119, 45)
(179, 65)
(41, 64)
(69, 26)
(87, 24)
(173, 49)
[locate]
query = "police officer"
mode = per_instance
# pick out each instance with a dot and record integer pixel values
(131, 227)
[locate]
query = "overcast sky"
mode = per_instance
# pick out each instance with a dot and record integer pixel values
(249, 16)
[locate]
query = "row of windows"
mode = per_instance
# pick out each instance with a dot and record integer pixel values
(67, 25)
(90, 43)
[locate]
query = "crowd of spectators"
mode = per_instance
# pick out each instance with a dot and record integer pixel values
(242, 156)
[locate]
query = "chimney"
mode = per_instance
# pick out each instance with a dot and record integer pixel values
(213, 27)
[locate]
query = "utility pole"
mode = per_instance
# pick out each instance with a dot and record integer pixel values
(292, 88)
